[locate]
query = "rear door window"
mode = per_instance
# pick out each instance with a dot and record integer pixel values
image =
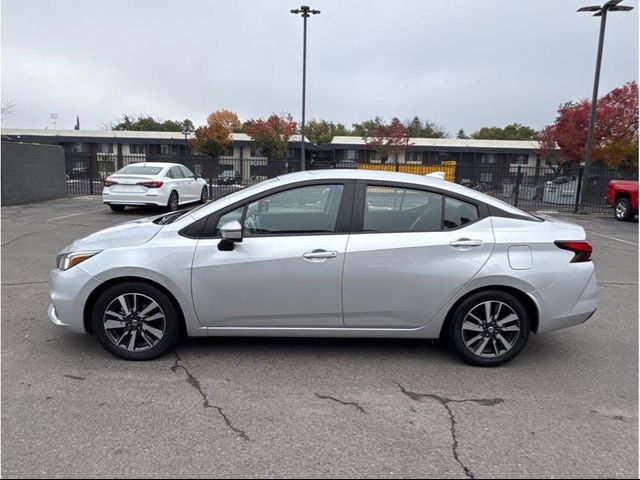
(391, 209)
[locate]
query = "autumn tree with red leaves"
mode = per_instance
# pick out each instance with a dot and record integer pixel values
(272, 135)
(213, 138)
(386, 139)
(615, 135)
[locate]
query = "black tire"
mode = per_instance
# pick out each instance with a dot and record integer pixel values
(142, 348)
(492, 356)
(204, 196)
(622, 210)
(117, 208)
(174, 202)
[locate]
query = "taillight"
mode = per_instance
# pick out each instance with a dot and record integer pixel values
(151, 184)
(581, 248)
(108, 183)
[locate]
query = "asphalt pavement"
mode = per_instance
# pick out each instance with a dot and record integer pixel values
(234, 407)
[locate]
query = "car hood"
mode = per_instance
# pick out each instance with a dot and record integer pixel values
(126, 234)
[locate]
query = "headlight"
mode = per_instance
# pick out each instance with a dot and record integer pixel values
(64, 261)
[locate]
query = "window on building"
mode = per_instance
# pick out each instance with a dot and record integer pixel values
(76, 147)
(351, 154)
(136, 149)
(390, 209)
(228, 152)
(104, 148)
(168, 150)
(256, 152)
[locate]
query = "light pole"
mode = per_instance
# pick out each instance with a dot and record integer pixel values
(305, 12)
(599, 11)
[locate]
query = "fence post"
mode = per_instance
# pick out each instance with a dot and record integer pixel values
(576, 207)
(210, 169)
(91, 170)
(516, 190)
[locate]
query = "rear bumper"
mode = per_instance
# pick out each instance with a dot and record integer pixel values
(149, 198)
(571, 300)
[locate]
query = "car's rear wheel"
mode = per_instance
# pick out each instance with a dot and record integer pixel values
(489, 328)
(135, 321)
(117, 208)
(204, 196)
(622, 210)
(174, 201)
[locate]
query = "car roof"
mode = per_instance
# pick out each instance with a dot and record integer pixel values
(355, 174)
(384, 176)
(156, 164)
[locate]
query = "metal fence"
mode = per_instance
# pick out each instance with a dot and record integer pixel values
(531, 188)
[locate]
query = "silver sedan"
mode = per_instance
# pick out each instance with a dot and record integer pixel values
(334, 254)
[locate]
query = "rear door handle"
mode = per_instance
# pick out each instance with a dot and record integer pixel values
(465, 242)
(315, 254)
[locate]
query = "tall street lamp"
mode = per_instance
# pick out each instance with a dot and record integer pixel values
(305, 12)
(599, 11)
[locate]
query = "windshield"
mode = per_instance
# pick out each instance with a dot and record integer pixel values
(139, 170)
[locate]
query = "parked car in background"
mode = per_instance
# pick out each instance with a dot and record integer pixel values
(622, 195)
(330, 253)
(561, 191)
(154, 184)
(229, 177)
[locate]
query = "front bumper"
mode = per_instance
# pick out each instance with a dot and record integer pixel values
(69, 291)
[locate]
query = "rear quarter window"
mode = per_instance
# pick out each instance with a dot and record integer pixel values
(458, 213)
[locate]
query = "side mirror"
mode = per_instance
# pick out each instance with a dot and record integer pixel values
(231, 233)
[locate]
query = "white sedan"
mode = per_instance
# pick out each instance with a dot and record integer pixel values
(153, 184)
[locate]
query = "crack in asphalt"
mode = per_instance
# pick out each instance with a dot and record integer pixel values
(444, 401)
(195, 383)
(350, 404)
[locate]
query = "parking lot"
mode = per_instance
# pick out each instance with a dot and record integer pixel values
(229, 407)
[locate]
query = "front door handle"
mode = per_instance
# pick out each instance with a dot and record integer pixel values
(318, 253)
(465, 243)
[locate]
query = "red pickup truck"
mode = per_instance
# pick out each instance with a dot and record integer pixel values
(622, 195)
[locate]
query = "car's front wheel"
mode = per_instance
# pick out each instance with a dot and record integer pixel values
(204, 196)
(622, 210)
(135, 321)
(489, 328)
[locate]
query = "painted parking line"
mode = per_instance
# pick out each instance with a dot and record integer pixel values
(612, 238)
(75, 214)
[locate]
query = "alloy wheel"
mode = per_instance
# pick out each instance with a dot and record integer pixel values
(173, 202)
(134, 322)
(491, 329)
(621, 210)
(204, 196)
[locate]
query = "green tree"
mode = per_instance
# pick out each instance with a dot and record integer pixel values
(147, 123)
(322, 131)
(425, 129)
(461, 134)
(513, 131)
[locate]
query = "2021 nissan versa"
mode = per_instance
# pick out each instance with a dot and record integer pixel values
(333, 254)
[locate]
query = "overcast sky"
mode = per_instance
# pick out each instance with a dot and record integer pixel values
(460, 63)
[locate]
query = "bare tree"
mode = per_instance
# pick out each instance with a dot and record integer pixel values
(8, 107)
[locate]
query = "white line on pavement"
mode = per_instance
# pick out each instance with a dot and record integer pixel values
(74, 215)
(612, 238)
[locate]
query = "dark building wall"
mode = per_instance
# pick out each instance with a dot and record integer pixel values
(32, 173)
